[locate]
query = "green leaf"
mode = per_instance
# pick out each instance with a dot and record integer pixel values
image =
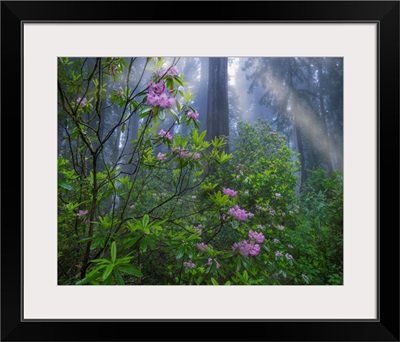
(100, 261)
(108, 271)
(214, 281)
(143, 245)
(202, 135)
(118, 276)
(144, 111)
(128, 243)
(131, 270)
(145, 220)
(178, 81)
(108, 280)
(65, 185)
(113, 252)
(180, 254)
(88, 279)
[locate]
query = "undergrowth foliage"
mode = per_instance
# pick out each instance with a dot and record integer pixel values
(170, 208)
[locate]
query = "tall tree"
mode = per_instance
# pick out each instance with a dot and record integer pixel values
(217, 100)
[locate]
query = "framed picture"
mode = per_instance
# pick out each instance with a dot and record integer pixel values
(166, 148)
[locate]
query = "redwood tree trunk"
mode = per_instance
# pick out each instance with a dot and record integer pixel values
(217, 103)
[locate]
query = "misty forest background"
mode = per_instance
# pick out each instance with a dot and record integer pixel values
(200, 171)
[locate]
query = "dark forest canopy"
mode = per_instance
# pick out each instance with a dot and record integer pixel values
(237, 157)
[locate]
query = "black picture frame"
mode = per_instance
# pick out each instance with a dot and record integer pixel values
(384, 13)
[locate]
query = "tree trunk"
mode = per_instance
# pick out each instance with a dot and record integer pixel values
(217, 103)
(327, 143)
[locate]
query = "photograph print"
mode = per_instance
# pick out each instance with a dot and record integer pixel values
(200, 171)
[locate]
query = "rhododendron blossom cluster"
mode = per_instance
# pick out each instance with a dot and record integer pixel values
(247, 248)
(157, 96)
(189, 264)
(193, 114)
(257, 237)
(165, 134)
(182, 153)
(81, 102)
(201, 246)
(289, 256)
(230, 192)
(251, 246)
(161, 156)
(240, 214)
(82, 212)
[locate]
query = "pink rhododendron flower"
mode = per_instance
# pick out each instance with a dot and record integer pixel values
(200, 246)
(157, 88)
(247, 248)
(230, 192)
(239, 214)
(193, 114)
(152, 100)
(165, 134)
(199, 229)
(172, 71)
(189, 264)
(184, 154)
(196, 156)
(166, 102)
(257, 237)
(210, 260)
(289, 256)
(161, 156)
(82, 212)
(81, 102)
(281, 227)
(278, 253)
(157, 96)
